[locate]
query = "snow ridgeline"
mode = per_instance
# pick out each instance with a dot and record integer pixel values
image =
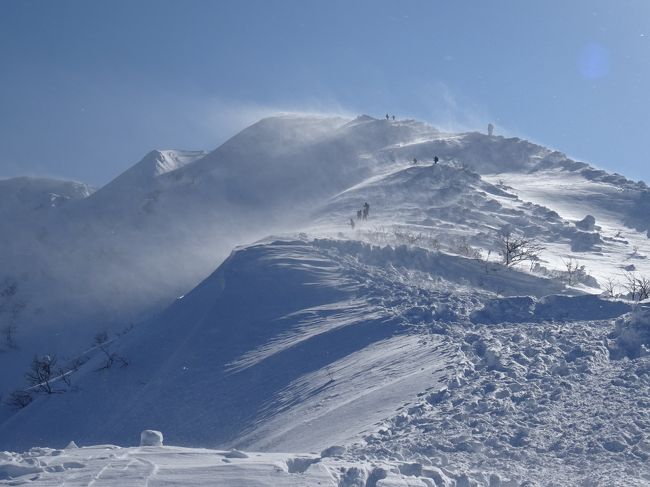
(416, 360)
(119, 255)
(404, 355)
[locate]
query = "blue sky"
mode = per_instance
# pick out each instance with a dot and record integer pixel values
(87, 88)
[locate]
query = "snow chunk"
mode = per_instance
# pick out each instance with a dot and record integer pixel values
(588, 224)
(333, 451)
(513, 309)
(235, 454)
(71, 446)
(631, 338)
(151, 438)
(585, 241)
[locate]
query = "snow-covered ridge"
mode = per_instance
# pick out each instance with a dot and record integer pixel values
(401, 337)
(24, 194)
(140, 177)
(407, 356)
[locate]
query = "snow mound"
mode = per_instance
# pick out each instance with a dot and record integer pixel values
(523, 309)
(151, 438)
(631, 337)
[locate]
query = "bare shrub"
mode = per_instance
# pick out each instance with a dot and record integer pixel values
(463, 247)
(42, 374)
(610, 286)
(102, 342)
(10, 308)
(638, 288)
(8, 334)
(575, 273)
(514, 250)
(19, 399)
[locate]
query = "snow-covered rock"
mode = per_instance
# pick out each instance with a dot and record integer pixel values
(151, 438)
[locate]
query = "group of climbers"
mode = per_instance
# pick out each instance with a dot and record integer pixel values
(435, 160)
(362, 214)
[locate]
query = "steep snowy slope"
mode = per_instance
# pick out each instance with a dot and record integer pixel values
(276, 322)
(620, 211)
(409, 357)
(141, 178)
(161, 226)
(124, 252)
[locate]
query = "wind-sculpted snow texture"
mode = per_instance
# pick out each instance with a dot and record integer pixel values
(280, 327)
(401, 346)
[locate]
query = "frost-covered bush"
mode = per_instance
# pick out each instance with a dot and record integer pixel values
(463, 247)
(401, 236)
(637, 287)
(576, 273)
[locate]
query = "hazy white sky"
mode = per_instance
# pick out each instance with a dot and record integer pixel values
(87, 88)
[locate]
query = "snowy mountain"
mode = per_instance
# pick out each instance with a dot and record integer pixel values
(403, 338)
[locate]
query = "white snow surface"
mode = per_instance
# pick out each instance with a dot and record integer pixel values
(402, 343)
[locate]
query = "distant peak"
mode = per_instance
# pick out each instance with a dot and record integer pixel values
(158, 162)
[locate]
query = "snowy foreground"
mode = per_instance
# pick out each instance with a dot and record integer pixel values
(398, 352)
(166, 466)
(428, 385)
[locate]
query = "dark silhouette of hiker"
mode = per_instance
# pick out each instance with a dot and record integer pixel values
(435, 159)
(393, 118)
(366, 210)
(415, 161)
(387, 117)
(352, 223)
(359, 213)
